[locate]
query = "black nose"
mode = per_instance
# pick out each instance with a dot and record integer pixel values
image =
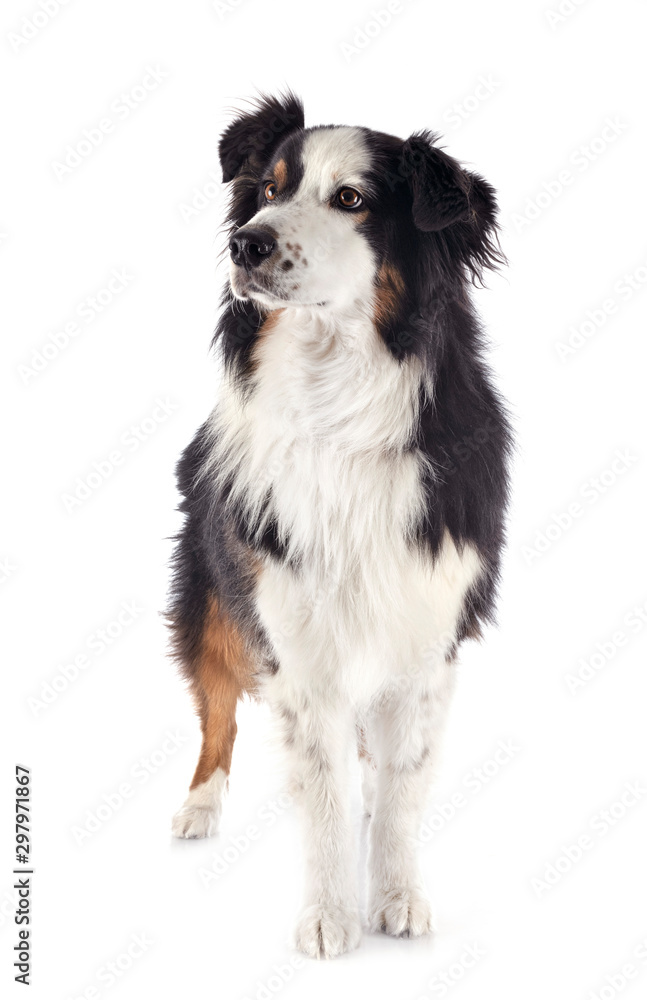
(250, 247)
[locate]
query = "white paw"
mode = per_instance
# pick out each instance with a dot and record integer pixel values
(200, 814)
(403, 912)
(193, 822)
(324, 931)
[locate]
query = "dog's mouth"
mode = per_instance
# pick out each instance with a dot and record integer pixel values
(255, 287)
(244, 286)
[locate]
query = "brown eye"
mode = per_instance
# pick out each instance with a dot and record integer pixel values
(349, 198)
(270, 191)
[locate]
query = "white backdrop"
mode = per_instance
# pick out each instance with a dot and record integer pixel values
(534, 844)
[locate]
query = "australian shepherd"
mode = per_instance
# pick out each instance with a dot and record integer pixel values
(344, 503)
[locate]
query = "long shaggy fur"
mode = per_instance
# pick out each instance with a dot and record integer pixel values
(345, 501)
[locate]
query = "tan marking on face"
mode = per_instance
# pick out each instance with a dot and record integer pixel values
(359, 217)
(281, 174)
(389, 290)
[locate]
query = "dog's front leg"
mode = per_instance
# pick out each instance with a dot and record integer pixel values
(319, 731)
(407, 733)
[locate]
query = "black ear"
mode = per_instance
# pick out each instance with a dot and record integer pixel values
(458, 205)
(439, 186)
(252, 136)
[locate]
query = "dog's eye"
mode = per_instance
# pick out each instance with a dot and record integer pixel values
(270, 191)
(349, 198)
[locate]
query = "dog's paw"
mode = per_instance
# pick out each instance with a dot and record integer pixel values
(403, 912)
(193, 822)
(200, 815)
(324, 931)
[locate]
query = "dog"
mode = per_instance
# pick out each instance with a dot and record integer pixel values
(345, 501)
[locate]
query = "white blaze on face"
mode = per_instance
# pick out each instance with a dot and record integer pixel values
(333, 157)
(321, 256)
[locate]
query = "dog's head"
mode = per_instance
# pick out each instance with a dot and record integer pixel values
(329, 216)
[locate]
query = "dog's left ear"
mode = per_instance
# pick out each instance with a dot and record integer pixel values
(439, 186)
(252, 137)
(445, 197)
(442, 191)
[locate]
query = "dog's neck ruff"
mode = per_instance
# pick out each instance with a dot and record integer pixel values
(320, 440)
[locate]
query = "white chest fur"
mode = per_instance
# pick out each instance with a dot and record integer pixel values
(323, 434)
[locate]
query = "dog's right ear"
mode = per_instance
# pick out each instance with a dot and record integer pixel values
(252, 137)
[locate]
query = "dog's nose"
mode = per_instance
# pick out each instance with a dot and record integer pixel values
(250, 247)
